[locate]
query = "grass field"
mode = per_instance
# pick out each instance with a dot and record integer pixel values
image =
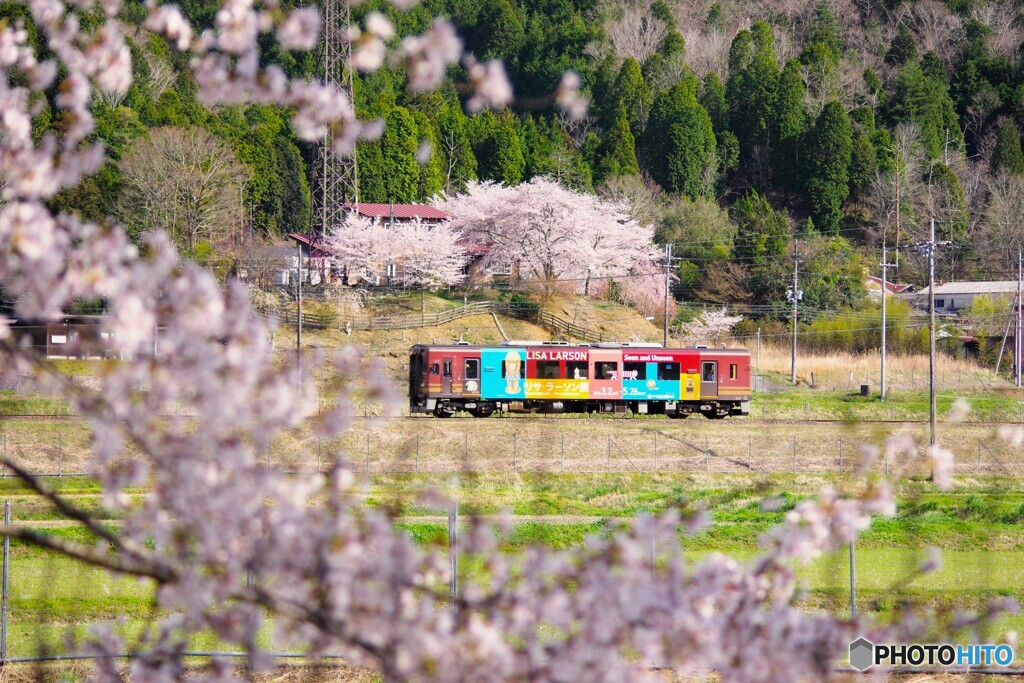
(977, 527)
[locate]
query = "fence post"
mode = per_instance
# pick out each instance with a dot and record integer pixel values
(515, 452)
(465, 452)
(6, 584)
(453, 554)
(655, 451)
(794, 454)
(840, 455)
(60, 455)
(562, 456)
(5, 455)
(979, 456)
(417, 453)
(707, 454)
(750, 453)
(608, 462)
(853, 585)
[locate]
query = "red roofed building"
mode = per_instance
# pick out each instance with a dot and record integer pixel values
(398, 212)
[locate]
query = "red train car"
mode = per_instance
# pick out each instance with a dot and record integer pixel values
(578, 378)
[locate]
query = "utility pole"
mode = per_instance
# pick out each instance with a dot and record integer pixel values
(1017, 345)
(885, 291)
(668, 272)
(795, 296)
(928, 249)
(757, 357)
(298, 315)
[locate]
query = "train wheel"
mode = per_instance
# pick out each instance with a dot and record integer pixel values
(439, 412)
(481, 413)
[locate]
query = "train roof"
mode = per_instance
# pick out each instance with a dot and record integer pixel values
(603, 346)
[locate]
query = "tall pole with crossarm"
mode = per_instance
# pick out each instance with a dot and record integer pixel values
(335, 179)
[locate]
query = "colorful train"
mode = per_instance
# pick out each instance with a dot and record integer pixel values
(555, 377)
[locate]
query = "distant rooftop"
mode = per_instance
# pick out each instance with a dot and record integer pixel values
(980, 287)
(406, 211)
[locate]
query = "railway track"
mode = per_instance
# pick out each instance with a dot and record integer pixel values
(553, 419)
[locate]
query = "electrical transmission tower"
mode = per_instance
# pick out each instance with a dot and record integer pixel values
(334, 180)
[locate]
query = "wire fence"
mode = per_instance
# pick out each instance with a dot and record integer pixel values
(579, 447)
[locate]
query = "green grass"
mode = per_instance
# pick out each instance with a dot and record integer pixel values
(977, 527)
(798, 404)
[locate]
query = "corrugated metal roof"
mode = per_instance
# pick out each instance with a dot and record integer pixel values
(400, 211)
(991, 287)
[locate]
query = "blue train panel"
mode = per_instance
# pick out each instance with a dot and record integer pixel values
(504, 373)
(651, 388)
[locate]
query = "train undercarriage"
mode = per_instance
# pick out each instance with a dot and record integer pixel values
(711, 409)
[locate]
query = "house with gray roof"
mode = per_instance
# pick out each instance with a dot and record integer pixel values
(951, 297)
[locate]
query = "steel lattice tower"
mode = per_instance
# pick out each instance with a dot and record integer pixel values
(334, 180)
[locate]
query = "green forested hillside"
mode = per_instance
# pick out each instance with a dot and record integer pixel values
(734, 126)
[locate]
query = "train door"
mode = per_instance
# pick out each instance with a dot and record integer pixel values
(709, 379)
(446, 375)
(689, 379)
(605, 374)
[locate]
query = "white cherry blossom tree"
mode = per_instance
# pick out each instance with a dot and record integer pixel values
(548, 233)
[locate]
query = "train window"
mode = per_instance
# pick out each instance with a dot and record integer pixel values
(606, 370)
(709, 372)
(733, 371)
(634, 371)
(472, 368)
(668, 371)
(547, 369)
(435, 369)
(576, 371)
(447, 368)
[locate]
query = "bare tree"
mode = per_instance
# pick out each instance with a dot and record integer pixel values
(1003, 230)
(636, 32)
(184, 181)
(708, 52)
(1004, 20)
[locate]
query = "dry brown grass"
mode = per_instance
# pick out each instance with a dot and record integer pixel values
(498, 445)
(902, 373)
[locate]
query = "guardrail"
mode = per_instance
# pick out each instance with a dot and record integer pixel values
(541, 317)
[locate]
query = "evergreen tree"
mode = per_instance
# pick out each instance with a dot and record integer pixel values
(617, 155)
(752, 85)
(295, 188)
(825, 28)
(388, 167)
(762, 237)
(790, 123)
(863, 161)
(458, 163)
(497, 147)
(926, 102)
(631, 89)
(712, 98)
(1007, 155)
(827, 164)
(431, 180)
(680, 143)
(903, 48)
